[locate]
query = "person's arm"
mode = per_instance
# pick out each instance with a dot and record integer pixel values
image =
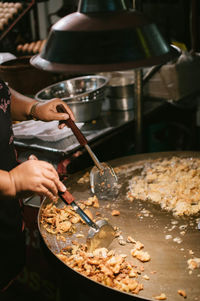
(24, 108)
(31, 176)
(6, 189)
(20, 106)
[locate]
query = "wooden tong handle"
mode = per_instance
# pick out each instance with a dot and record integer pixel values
(71, 124)
(66, 196)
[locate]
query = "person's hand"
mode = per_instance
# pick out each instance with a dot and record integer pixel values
(35, 176)
(47, 111)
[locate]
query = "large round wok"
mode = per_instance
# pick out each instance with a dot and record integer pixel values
(168, 269)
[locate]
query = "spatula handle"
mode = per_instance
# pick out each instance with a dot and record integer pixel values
(79, 135)
(71, 124)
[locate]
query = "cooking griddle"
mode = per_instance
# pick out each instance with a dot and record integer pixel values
(158, 230)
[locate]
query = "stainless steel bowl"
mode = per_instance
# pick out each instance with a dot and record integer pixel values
(84, 95)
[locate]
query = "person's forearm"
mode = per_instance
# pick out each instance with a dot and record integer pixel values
(6, 185)
(20, 106)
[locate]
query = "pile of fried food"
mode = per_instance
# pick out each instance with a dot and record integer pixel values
(172, 183)
(61, 220)
(102, 265)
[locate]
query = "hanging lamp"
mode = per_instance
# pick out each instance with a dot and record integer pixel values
(103, 35)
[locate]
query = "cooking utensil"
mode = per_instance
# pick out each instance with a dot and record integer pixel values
(147, 223)
(103, 180)
(100, 234)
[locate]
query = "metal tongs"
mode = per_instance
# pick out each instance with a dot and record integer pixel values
(103, 180)
(100, 234)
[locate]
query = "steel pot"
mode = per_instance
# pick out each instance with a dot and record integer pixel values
(120, 90)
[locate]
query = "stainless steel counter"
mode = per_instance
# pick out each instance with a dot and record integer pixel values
(108, 123)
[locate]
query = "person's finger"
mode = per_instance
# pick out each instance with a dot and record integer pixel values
(32, 157)
(48, 166)
(60, 116)
(47, 193)
(61, 187)
(49, 174)
(55, 179)
(66, 108)
(61, 125)
(69, 111)
(51, 186)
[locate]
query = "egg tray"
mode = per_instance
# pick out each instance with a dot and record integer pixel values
(10, 14)
(31, 48)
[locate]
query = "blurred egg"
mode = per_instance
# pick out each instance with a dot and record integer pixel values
(4, 21)
(13, 10)
(19, 47)
(18, 5)
(6, 10)
(10, 4)
(5, 4)
(8, 16)
(1, 25)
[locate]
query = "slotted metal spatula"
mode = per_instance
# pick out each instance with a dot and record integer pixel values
(103, 180)
(100, 234)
